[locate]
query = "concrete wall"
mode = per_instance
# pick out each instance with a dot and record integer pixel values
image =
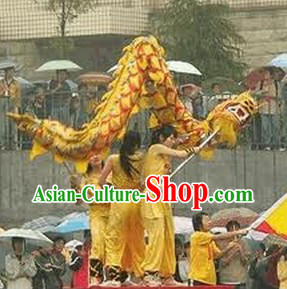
(263, 172)
(265, 32)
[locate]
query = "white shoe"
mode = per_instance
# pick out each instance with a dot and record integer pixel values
(282, 149)
(110, 283)
(151, 281)
(267, 149)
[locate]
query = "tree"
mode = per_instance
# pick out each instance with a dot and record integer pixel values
(66, 12)
(203, 34)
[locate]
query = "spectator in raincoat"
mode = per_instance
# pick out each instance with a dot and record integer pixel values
(19, 267)
(58, 101)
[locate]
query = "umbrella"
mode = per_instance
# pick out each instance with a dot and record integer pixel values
(257, 75)
(31, 236)
(43, 224)
(279, 61)
(182, 67)
(274, 240)
(72, 85)
(176, 66)
(94, 78)
(59, 65)
(80, 221)
(7, 64)
(183, 225)
(73, 223)
(243, 216)
(24, 83)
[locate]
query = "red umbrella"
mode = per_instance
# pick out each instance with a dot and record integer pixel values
(243, 216)
(257, 75)
(94, 78)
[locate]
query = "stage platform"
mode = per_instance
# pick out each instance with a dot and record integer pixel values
(165, 287)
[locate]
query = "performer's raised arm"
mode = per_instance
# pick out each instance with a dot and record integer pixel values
(106, 172)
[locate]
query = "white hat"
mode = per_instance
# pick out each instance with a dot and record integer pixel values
(73, 244)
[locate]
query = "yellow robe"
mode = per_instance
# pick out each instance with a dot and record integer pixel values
(99, 217)
(125, 234)
(158, 222)
(282, 272)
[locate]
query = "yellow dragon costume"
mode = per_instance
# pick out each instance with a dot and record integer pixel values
(143, 61)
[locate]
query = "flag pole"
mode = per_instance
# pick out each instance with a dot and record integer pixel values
(203, 144)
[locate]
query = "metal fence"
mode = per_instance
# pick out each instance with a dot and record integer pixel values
(26, 27)
(267, 131)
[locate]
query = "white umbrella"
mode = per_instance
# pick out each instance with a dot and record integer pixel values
(183, 225)
(182, 67)
(43, 224)
(279, 61)
(176, 66)
(30, 235)
(59, 65)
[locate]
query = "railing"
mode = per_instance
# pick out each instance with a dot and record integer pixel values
(266, 131)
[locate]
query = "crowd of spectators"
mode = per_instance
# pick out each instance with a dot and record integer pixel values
(63, 99)
(228, 259)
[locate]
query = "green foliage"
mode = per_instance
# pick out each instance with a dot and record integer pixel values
(66, 11)
(62, 45)
(202, 34)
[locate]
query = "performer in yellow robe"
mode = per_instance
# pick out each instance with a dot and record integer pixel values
(99, 216)
(125, 233)
(160, 252)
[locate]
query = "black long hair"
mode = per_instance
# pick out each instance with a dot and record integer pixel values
(90, 167)
(15, 239)
(197, 221)
(165, 132)
(131, 143)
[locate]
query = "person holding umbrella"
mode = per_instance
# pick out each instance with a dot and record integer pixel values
(59, 99)
(61, 89)
(10, 101)
(19, 267)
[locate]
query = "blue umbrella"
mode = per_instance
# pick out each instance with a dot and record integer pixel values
(73, 223)
(280, 60)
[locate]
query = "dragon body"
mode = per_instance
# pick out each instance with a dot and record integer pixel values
(142, 63)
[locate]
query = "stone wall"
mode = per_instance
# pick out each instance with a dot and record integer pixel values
(265, 32)
(263, 172)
